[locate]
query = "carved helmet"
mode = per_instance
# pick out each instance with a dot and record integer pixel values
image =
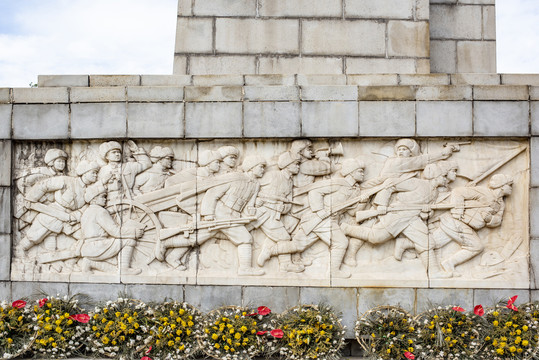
(411, 144)
(207, 156)
(499, 180)
(298, 145)
(84, 166)
(350, 165)
(159, 153)
(432, 171)
(252, 161)
(447, 165)
(286, 159)
(228, 150)
(108, 146)
(54, 154)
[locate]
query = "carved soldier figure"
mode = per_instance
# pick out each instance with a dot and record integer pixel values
(229, 159)
(117, 174)
(208, 166)
(154, 178)
(55, 159)
(474, 208)
(103, 238)
(60, 215)
(309, 168)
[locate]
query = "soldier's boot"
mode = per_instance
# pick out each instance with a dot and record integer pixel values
(355, 231)
(269, 249)
(88, 265)
(353, 248)
(401, 245)
(245, 253)
(175, 242)
(435, 270)
(174, 257)
(125, 261)
(336, 257)
(24, 246)
(285, 264)
(457, 259)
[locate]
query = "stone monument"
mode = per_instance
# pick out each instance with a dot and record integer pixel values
(352, 152)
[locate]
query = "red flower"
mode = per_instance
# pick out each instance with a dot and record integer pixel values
(510, 303)
(277, 333)
(146, 358)
(478, 310)
(263, 310)
(43, 302)
(409, 355)
(150, 349)
(83, 318)
(260, 333)
(19, 304)
(458, 308)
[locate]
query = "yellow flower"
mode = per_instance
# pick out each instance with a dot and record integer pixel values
(525, 342)
(214, 336)
(217, 346)
(495, 323)
(513, 349)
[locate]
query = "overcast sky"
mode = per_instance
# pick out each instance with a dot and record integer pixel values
(137, 37)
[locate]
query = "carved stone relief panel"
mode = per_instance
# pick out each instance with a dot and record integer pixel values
(399, 213)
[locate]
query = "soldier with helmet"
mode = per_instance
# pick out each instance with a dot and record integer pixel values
(55, 159)
(229, 159)
(154, 178)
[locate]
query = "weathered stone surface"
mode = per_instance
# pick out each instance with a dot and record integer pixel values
(271, 119)
(185, 7)
(444, 93)
(5, 163)
(492, 118)
(98, 94)
(270, 80)
(534, 158)
(5, 96)
(326, 93)
(5, 121)
(374, 93)
(5, 257)
(475, 79)
(492, 297)
(224, 8)
(154, 93)
(51, 120)
(422, 10)
(476, 56)
(455, 22)
(324, 37)
(380, 66)
(534, 107)
(443, 56)
(194, 35)
(329, 118)
(444, 118)
(165, 80)
(271, 93)
(114, 80)
(213, 120)
(373, 80)
(5, 290)
(169, 116)
(534, 265)
(257, 36)
(55, 95)
(213, 93)
(300, 65)
(218, 80)
(103, 121)
(207, 298)
(98, 292)
(378, 118)
(534, 212)
(408, 38)
(500, 92)
(320, 80)
(179, 66)
(521, 79)
(371, 298)
(489, 22)
(534, 92)
(63, 80)
(155, 293)
(300, 8)
(203, 65)
(278, 299)
(20, 290)
(424, 79)
(427, 298)
(374, 9)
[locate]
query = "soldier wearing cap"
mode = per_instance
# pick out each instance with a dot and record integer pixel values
(229, 156)
(55, 159)
(208, 166)
(154, 178)
(103, 238)
(68, 193)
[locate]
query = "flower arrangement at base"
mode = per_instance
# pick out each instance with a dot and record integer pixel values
(230, 332)
(175, 329)
(120, 329)
(387, 332)
(512, 333)
(16, 329)
(61, 327)
(311, 332)
(269, 337)
(449, 333)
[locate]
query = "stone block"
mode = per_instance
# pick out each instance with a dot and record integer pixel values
(422, 10)
(270, 80)
(503, 118)
(521, 79)
(98, 292)
(114, 80)
(98, 94)
(5, 291)
(328, 93)
(534, 161)
(443, 56)
(408, 38)
(455, 22)
(213, 93)
(489, 22)
(257, 36)
(278, 299)
(373, 80)
(475, 79)
(534, 92)
(5, 121)
(165, 80)
(377, 93)
(207, 298)
(213, 120)
(5, 210)
(500, 92)
(307, 80)
(448, 93)
(179, 66)
(424, 79)
(300, 65)
(534, 106)
(429, 298)
(387, 118)
(375, 9)
(194, 35)
(339, 298)
(37, 290)
(534, 264)
(206, 65)
(272, 119)
(476, 56)
(534, 212)
(142, 119)
(477, 2)
(63, 80)
(224, 8)
(5, 257)
(324, 37)
(444, 118)
(380, 66)
(98, 121)
(154, 93)
(154, 293)
(271, 93)
(490, 297)
(5, 96)
(185, 7)
(300, 8)
(57, 95)
(40, 121)
(323, 118)
(371, 297)
(422, 66)
(5, 163)
(218, 80)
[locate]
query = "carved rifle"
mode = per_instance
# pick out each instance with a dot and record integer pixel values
(198, 225)
(44, 209)
(367, 214)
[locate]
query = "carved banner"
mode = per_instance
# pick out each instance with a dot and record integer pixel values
(400, 213)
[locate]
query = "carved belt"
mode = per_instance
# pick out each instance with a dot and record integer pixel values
(234, 202)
